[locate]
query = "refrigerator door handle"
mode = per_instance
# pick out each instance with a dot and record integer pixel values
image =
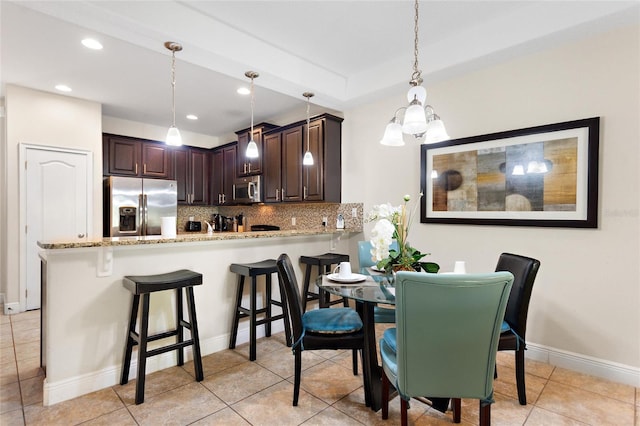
(145, 213)
(139, 229)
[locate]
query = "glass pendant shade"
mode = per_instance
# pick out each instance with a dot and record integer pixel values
(393, 135)
(307, 160)
(252, 150)
(436, 132)
(173, 137)
(415, 120)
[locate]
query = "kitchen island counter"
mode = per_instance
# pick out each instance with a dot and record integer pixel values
(86, 308)
(189, 238)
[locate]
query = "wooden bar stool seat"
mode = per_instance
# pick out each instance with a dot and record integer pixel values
(254, 270)
(144, 285)
(324, 263)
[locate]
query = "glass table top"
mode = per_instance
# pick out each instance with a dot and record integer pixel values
(375, 288)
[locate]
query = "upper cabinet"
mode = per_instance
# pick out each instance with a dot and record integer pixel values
(191, 171)
(251, 166)
(282, 177)
(125, 156)
(223, 173)
(323, 180)
(286, 179)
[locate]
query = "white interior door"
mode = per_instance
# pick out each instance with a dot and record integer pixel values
(57, 206)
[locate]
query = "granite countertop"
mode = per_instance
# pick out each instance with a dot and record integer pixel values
(188, 238)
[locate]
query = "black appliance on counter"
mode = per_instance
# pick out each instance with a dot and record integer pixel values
(193, 226)
(222, 223)
(265, 228)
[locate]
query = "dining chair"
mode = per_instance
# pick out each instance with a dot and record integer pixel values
(455, 356)
(514, 326)
(381, 314)
(335, 328)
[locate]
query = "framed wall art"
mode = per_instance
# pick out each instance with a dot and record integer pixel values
(538, 176)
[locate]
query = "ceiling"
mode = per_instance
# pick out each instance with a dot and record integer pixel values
(346, 52)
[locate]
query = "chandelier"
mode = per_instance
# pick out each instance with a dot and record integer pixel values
(419, 119)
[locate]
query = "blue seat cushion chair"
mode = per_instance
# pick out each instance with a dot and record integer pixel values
(514, 327)
(333, 321)
(318, 329)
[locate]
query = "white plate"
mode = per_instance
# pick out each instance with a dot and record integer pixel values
(354, 278)
(375, 268)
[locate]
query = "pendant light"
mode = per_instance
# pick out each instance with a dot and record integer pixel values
(252, 147)
(419, 118)
(173, 135)
(307, 160)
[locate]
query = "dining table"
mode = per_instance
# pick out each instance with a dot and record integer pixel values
(367, 290)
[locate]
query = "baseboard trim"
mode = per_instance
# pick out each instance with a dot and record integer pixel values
(584, 364)
(63, 390)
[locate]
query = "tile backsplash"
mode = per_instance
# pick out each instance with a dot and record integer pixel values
(307, 216)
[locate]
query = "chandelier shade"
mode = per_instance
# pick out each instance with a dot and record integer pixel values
(415, 120)
(393, 134)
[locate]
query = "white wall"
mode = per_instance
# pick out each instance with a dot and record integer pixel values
(586, 299)
(42, 118)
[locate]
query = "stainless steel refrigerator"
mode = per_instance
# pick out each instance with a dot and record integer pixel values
(135, 206)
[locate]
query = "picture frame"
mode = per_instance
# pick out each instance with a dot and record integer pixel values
(538, 176)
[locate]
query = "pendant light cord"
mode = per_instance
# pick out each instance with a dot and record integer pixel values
(173, 86)
(252, 106)
(308, 131)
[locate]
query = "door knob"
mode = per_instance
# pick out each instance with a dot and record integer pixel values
(80, 235)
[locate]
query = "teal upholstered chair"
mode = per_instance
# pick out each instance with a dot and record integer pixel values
(446, 338)
(380, 314)
(335, 328)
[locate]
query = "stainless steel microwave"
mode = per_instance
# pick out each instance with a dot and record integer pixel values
(247, 190)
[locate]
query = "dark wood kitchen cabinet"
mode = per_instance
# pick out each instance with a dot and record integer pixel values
(285, 178)
(323, 180)
(251, 166)
(282, 177)
(127, 156)
(223, 173)
(191, 171)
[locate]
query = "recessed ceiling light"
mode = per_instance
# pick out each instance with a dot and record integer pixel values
(92, 44)
(243, 91)
(63, 88)
(192, 117)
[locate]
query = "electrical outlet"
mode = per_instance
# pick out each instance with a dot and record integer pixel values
(293, 221)
(354, 212)
(11, 308)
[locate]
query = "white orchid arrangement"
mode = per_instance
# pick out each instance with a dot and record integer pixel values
(394, 223)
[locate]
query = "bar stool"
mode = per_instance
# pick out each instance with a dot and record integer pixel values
(324, 263)
(253, 270)
(145, 285)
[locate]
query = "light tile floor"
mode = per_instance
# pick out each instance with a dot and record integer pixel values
(238, 392)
